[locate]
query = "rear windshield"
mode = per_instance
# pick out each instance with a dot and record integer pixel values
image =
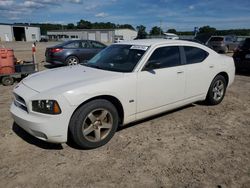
(216, 39)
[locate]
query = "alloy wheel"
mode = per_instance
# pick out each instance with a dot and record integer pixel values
(97, 125)
(218, 90)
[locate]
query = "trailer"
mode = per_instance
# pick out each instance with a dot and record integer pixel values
(21, 71)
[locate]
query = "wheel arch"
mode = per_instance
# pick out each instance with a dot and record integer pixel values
(225, 75)
(115, 101)
(71, 55)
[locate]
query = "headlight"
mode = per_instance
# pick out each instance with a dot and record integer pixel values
(46, 106)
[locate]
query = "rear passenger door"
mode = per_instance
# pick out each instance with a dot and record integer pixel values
(197, 71)
(85, 51)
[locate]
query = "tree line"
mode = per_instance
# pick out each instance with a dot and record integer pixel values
(82, 24)
(142, 33)
(202, 30)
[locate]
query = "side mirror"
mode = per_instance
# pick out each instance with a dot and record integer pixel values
(152, 64)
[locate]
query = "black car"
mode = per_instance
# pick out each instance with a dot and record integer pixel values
(242, 55)
(73, 52)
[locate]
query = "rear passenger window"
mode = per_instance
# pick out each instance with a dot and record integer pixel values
(72, 45)
(166, 57)
(96, 44)
(195, 55)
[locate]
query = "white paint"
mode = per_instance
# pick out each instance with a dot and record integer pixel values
(126, 34)
(152, 92)
(32, 34)
(6, 33)
(91, 36)
(104, 37)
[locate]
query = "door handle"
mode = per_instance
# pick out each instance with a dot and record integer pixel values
(180, 72)
(211, 66)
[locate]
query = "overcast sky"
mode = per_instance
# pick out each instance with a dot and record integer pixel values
(179, 14)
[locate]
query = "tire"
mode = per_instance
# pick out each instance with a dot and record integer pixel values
(216, 90)
(94, 124)
(7, 80)
(72, 60)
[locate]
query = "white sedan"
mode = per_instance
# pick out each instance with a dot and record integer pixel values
(123, 83)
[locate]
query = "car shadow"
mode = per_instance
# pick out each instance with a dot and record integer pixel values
(34, 141)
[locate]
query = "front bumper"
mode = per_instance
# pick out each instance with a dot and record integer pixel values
(50, 128)
(45, 128)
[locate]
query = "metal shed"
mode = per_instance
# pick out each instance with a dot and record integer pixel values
(10, 32)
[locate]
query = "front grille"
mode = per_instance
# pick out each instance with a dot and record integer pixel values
(20, 102)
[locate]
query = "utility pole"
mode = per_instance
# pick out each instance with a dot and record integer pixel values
(160, 27)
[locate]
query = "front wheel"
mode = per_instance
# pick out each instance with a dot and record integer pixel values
(94, 124)
(216, 90)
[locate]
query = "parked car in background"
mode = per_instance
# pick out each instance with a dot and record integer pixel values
(242, 55)
(73, 52)
(203, 37)
(223, 44)
(123, 83)
(118, 40)
(171, 36)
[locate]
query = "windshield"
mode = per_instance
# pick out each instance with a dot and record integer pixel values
(119, 58)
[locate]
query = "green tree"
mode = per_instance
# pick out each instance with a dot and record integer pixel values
(207, 29)
(142, 34)
(83, 24)
(125, 26)
(172, 31)
(156, 31)
(70, 26)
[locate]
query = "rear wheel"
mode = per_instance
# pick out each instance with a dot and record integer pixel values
(7, 80)
(94, 124)
(72, 60)
(216, 90)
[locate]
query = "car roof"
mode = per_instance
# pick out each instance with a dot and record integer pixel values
(153, 42)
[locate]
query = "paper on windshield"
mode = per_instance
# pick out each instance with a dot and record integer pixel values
(139, 47)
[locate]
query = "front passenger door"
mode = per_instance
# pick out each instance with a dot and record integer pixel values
(161, 82)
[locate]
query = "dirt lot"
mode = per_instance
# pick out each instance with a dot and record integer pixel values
(195, 146)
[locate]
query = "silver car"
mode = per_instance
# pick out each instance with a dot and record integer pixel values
(222, 44)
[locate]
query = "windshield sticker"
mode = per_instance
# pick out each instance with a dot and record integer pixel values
(139, 48)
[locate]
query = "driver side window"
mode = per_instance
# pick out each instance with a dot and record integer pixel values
(164, 57)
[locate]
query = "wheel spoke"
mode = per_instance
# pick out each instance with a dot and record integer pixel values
(221, 87)
(88, 130)
(106, 126)
(92, 117)
(215, 95)
(103, 115)
(97, 134)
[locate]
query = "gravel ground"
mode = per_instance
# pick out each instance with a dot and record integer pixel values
(195, 146)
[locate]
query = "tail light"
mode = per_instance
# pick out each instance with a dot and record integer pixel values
(55, 50)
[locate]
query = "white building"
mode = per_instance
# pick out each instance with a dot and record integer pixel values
(27, 33)
(125, 34)
(102, 35)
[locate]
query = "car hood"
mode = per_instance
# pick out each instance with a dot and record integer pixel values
(65, 76)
